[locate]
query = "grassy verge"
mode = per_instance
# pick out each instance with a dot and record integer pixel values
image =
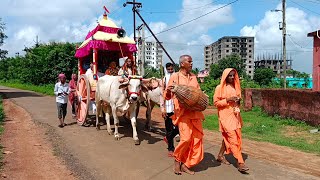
(43, 89)
(1, 130)
(259, 126)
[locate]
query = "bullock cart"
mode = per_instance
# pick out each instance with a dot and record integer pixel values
(102, 45)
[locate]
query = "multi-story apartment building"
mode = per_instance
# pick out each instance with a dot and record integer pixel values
(152, 54)
(243, 46)
(274, 62)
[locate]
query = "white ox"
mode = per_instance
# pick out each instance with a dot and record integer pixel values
(151, 98)
(113, 97)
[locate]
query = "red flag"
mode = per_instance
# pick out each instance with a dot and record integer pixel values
(106, 9)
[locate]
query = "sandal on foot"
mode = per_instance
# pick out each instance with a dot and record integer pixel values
(242, 168)
(174, 168)
(60, 126)
(222, 160)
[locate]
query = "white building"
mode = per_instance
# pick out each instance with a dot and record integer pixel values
(152, 54)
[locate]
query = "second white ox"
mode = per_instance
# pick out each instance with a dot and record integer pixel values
(113, 97)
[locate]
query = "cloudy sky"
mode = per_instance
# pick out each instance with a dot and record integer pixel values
(70, 20)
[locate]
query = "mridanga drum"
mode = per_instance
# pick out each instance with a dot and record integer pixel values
(190, 97)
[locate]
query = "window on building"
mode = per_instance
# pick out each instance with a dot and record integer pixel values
(250, 56)
(250, 40)
(250, 45)
(249, 72)
(249, 66)
(227, 45)
(228, 40)
(227, 51)
(250, 51)
(250, 61)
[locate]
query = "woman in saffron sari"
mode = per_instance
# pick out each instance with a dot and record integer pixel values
(73, 93)
(227, 99)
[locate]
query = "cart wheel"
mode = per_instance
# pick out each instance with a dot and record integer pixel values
(83, 92)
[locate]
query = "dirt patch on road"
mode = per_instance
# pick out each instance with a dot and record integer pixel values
(28, 155)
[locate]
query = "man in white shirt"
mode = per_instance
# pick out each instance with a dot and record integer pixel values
(61, 90)
(167, 109)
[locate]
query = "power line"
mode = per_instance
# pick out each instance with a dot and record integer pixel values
(304, 7)
(195, 18)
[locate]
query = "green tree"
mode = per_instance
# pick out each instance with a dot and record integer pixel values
(152, 72)
(263, 76)
(41, 64)
(195, 71)
(3, 36)
(232, 61)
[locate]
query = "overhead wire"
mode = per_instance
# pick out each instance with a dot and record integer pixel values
(298, 4)
(174, 27)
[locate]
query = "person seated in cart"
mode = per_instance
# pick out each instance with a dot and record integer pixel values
(89, 71)
(128, 68)
(113, 69)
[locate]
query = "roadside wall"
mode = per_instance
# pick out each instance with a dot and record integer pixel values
(302, 105)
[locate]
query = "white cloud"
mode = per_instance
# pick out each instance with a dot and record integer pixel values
(189, 38)
(268, 37)
(57, 20)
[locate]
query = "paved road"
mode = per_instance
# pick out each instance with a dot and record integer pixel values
(94, 154)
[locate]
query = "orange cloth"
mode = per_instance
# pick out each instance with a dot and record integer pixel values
(230, 121)
(233, 144)
(190, 148)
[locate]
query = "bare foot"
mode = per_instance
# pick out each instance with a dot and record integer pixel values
(185, 169)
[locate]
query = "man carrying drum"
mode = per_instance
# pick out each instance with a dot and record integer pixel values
(189, 151)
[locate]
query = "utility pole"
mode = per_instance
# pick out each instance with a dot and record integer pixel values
(37, 41)
(141, 47)
(135, 10)
(284, 50)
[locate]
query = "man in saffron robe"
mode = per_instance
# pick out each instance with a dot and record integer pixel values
(227, 99)
(189, 151)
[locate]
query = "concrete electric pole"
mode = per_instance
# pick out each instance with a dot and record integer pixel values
(284, 33)
(284, 50)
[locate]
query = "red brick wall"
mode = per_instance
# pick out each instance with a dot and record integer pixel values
(302, 105)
